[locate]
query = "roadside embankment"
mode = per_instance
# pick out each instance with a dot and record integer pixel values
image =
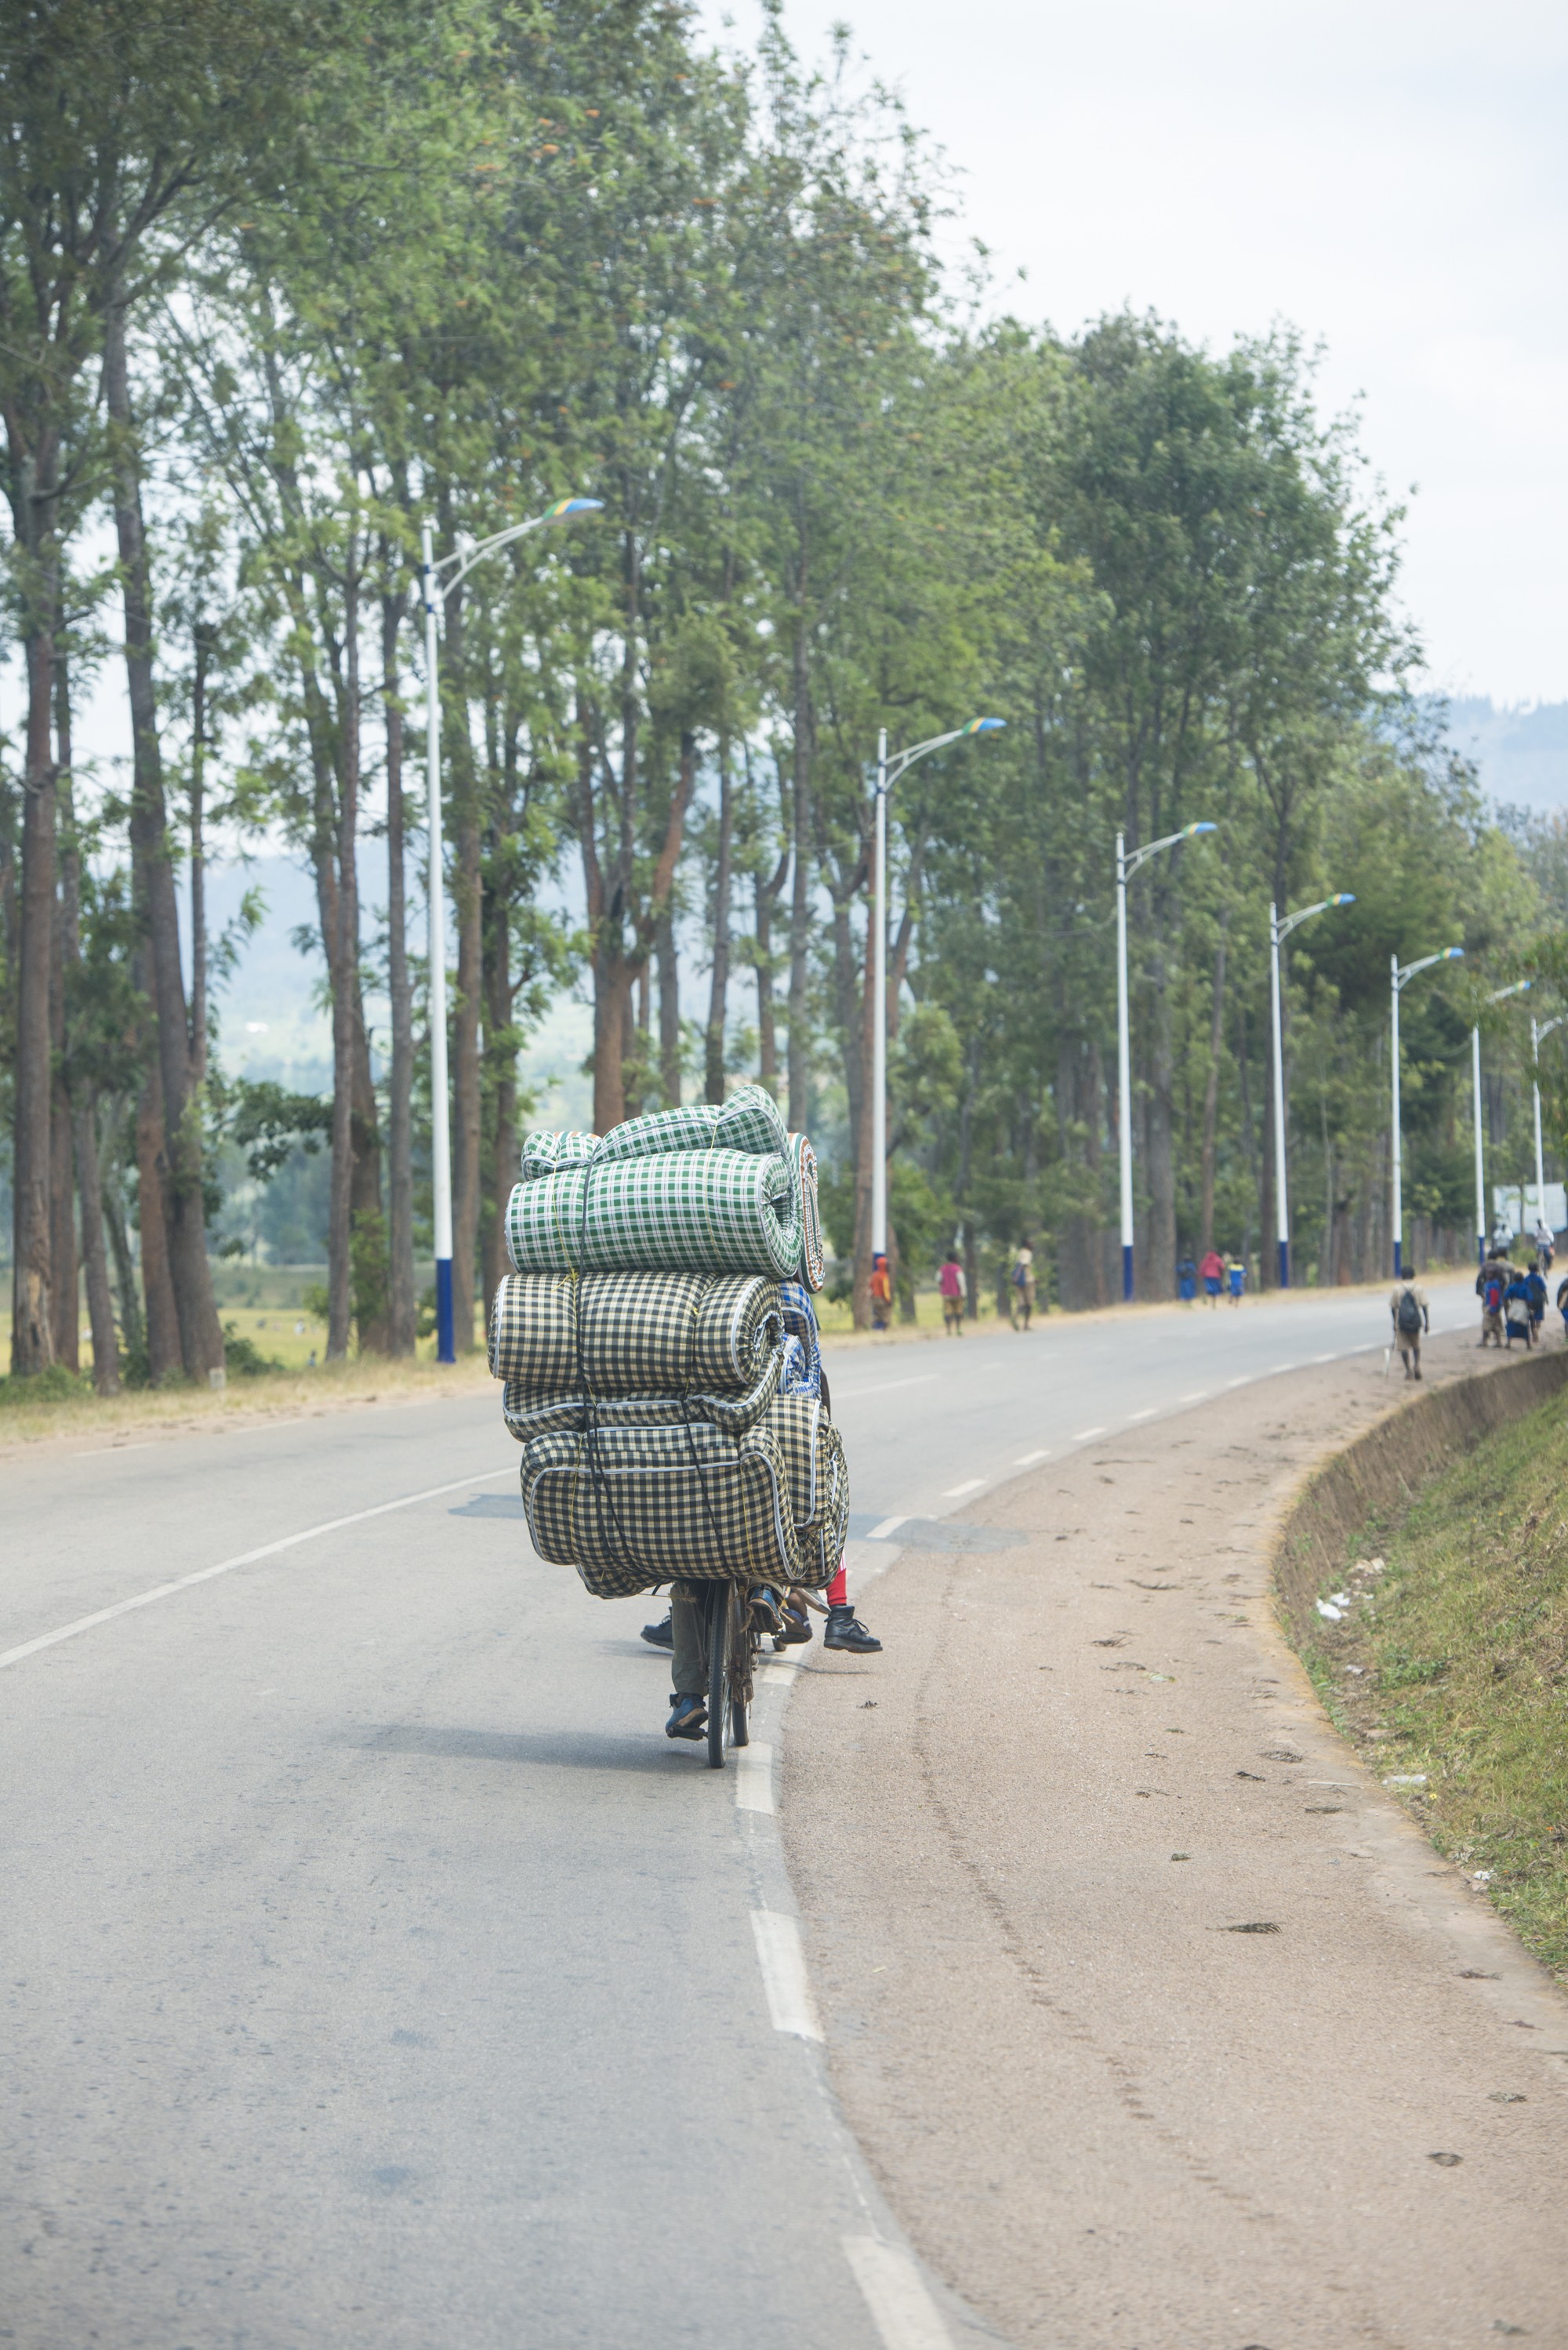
(1160, 2023)
(1424, 1575)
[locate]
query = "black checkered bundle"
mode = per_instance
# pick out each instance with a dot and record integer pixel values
(656, 1442)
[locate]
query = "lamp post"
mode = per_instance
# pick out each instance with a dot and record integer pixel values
(1125, 868)
(1401, 975)
(433, 585)
(1483, 1221)
(1537, 1037)
(1278, 933)
(888, 771)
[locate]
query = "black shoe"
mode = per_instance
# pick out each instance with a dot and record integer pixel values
(689, 1718)
(660, 1636)
(795, 1627)
(845, 1631)
(767, 1616)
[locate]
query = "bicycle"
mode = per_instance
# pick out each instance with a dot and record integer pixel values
(732, 1642)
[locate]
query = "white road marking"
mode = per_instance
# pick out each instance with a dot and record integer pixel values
(1198, 1395)
(1281, 1367)
(1027, 1459)
(1085, 1434)
(755, 1779)
(885, 1386)
(246, 1558)
(970, 1486)
(1137, 1416)
(98, 1451)
(904, 2315)
(889, 1527)
(1323, 1358)
(1237, 1383)
(783, 1962)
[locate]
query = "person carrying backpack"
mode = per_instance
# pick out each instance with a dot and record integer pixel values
(1408, 1309)
(1491, 1282)
(1517, 1323)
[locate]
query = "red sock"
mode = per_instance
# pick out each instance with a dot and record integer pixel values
(838, 1589)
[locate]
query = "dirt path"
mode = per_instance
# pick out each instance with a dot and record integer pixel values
(1029, 1842)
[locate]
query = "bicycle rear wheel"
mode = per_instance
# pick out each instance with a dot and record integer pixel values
(745, 1647)
(720, 1642)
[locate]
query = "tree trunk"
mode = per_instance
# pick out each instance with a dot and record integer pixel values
(157, 1281)
(1211, 1091)
(400, 989)
(718, 993)
(202, 636)
(201, 1336)
(669, 1007)
(499, 1001)
(343, 964)
(32, 1322)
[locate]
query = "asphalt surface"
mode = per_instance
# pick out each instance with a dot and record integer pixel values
(375, 1971)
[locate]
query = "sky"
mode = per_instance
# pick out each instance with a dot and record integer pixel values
(1389, 178)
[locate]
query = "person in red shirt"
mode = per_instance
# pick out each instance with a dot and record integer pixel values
(1213, 1269)
(950, 1286)
(881, 1292)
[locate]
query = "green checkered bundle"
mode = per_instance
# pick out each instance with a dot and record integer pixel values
(641, 1343)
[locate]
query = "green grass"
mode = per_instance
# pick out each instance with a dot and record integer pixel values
(1464, 1641)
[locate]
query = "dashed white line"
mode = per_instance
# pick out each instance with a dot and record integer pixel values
(783, 1962)
(98, 1451)
(970, 1486)
(1323, 1358)
(1028, 1460)
(1238, 1383)
(885, 1387)
(1135, 1417)
(904, 2312)
(1198, 1395)
(1279, 1368)
(246, 1558)
(1086, 1435)
(754, 1778)
(889, 1527)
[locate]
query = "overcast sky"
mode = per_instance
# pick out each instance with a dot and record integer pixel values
(1388, 176)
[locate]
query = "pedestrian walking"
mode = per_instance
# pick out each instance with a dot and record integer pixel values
(1563, 1305)
(1490, 1283)
(1408, 1310)
(881, 1292)
(1023, 1282)
(1236, 1275)
(950, 1288)
(1516, 1313)
(1212, 1272)
(1186, 1281)
(1545, 1245)
(1535, 1302)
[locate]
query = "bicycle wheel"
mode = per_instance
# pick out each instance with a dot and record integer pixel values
(720, 1608)
(744, 1649)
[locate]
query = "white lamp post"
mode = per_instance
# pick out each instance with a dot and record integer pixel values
(1537, 1037)
(887, 774)
(1278, 931)
(1483, 1221)
(1400, 977)
(432, 584)
(1125, 868)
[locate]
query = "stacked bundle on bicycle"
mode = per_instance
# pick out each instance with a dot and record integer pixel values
(659, 1352)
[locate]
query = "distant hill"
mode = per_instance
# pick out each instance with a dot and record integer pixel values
(1521, 752)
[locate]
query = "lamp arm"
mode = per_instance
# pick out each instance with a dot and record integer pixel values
(906, 759)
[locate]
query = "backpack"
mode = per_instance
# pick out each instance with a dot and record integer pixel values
(1409, 1314)
(1494, 1297)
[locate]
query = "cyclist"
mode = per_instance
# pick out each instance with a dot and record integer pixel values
(1545, 1244)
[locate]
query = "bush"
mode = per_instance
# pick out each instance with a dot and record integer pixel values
(244, 1357)
(57, 1385)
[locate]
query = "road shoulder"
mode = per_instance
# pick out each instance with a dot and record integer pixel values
(1148, 2005)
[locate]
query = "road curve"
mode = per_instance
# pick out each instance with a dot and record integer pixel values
(375, 1971)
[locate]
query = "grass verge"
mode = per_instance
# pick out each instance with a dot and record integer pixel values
(1449, 1665)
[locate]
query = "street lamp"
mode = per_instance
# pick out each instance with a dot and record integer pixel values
(433, 585)
(1125, 868)
(1278, 933)
(1483, 1222)
(1537, 1037)
(1400, 977)
(887, 774)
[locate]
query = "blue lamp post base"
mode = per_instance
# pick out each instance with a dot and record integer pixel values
(445, 1350)
(1126, 1272)
(1284, 1264)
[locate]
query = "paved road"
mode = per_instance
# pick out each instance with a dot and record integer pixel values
(375, 1973)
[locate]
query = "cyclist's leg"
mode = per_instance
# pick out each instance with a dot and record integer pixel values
(689, 1675)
